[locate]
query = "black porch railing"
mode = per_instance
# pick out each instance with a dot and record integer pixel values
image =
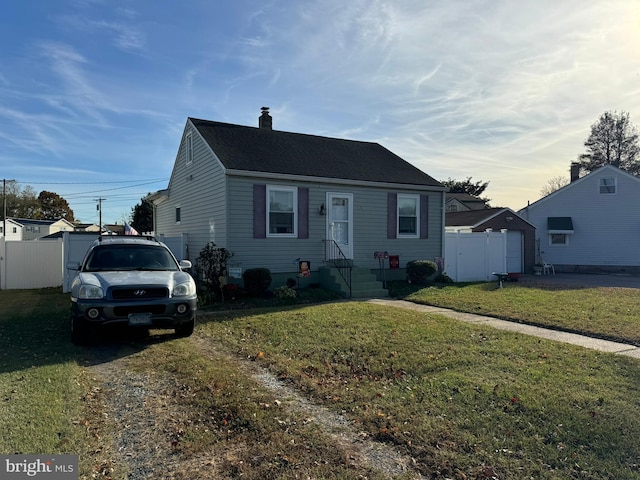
(334, 256)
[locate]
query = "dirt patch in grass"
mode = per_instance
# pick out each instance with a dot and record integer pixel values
(159, 430)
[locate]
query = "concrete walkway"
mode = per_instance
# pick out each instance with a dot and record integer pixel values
(547, 334)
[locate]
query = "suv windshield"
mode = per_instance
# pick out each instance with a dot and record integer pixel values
(130, 257)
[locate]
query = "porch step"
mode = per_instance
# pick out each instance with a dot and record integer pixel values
(363, 283)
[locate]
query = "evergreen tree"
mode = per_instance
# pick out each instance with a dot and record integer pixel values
(467, 186)
(613, 140)
(142, 216)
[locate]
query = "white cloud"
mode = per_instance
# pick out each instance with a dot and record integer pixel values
(501, 91)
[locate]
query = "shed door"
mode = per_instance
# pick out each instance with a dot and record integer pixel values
(340, 221)
(514, 251)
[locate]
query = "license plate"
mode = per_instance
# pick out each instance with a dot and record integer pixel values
(140, 319)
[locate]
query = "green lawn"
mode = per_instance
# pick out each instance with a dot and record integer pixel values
(461, 399)
(612, 313)
(464, 401)
(41, 383)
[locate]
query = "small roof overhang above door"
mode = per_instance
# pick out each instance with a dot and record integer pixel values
(559, 225)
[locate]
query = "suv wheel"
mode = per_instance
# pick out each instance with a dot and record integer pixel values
(186, 329)
(79, 331)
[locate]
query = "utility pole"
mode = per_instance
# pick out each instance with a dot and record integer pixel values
(99, 208)
(4, 207)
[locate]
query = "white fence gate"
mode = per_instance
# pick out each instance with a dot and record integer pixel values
(474, 257)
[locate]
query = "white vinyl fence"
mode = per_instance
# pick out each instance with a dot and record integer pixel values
(475, 256)
(468, 257)
(43, 263)
(30, 264)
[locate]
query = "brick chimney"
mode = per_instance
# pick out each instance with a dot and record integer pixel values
(265, 120)
(574, 171)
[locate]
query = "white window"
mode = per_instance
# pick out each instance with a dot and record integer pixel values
(282, 211)
(408, 215)
(608, 186)
(558, 239)
(189, 146)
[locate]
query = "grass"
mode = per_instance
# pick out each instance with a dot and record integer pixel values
(610, 313)
(41, 384)
(460, 399)
(231, 418)
(463, 400)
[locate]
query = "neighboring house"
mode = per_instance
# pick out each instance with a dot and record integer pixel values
(40, 228)
(14, 229)
(275, 199)
(520, 233)
(463, 202)
(87, 227)
(114, 229)
(592, 224)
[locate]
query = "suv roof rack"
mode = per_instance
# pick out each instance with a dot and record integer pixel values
(144, 237)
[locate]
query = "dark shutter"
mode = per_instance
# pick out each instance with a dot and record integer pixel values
(303, 213)
(392, 215)
(259, 211)
(424, 216)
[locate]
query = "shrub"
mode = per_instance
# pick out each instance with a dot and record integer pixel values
(418, 271)
(443, 278)
(256, 281)
(284, 292)
(212, 265)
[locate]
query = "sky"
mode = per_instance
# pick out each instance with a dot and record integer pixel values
(94, 94)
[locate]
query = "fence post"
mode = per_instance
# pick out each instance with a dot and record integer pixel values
(3, 263)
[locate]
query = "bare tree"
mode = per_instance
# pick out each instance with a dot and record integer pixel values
(553, 184)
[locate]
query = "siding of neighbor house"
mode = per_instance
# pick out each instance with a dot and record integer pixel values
(606, 227)
(199, 189)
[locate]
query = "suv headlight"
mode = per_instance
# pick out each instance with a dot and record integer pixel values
(90, 291)
(184, 289)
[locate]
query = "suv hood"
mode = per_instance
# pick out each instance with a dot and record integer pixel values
(134, 277)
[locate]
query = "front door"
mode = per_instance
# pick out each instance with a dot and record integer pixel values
(340, 221)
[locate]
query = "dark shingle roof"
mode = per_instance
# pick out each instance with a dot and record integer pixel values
(464, 198)
(33, 221)
(469, 218)
(271, 151)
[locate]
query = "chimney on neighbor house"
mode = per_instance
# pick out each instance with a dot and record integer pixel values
(265, 120)
(574, 171)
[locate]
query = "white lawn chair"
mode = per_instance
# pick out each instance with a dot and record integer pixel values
(548, 268)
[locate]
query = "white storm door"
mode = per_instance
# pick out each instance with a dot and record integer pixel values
(340, 221)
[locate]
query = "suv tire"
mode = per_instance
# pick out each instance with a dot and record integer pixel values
(79, 331)
(186, 329)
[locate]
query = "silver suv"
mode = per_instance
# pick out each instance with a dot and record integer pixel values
(134, 281)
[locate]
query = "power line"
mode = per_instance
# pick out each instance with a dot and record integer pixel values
(151, 180)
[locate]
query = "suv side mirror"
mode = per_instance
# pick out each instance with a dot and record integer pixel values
(74, 266)
(185, 264)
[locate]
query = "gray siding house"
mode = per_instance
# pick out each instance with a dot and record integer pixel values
(277, 198)
(34, 229)
(592, 224)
